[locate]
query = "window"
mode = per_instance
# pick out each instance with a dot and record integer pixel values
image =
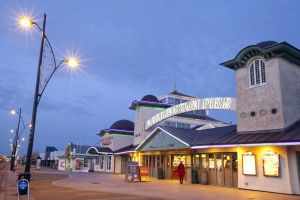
(102, 162)
(86, 162)
(257, 73)
(170, 124)
(183, 125)
(173, 101)
(108, 162)
(164, 100)
(177, 101)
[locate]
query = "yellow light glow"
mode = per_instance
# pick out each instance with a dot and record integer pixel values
(13, 112)
(72, 62)
(25, 22)
(30, 125)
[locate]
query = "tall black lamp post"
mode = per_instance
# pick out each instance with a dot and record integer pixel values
(40, 86)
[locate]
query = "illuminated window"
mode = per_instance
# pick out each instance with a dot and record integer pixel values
(257, 73)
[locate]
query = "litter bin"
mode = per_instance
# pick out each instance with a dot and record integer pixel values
(195, 177)
(24, 176)
(160, 173)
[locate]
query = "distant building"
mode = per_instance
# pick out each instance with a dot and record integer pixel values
(76, 159)
(48, 150)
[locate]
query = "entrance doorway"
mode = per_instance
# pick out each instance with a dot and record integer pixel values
(217, 168)
(165, 166)
(176, 159)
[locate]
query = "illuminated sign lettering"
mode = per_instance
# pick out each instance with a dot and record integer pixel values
(197, 104)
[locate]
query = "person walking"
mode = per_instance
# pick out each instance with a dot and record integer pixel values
(181, 172)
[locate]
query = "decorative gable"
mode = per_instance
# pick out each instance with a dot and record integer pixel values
(160, 140)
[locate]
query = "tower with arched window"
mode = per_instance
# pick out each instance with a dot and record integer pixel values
(268, 86)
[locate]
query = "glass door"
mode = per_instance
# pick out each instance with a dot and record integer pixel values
(235, 169)
(228, 169)
(204, 169)
(211, 171)
(219, 169)
(102, 163)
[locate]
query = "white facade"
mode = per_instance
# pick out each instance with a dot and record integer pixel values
(190, 120)
(115, 141)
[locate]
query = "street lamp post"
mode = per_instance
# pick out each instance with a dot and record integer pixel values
(35, 102)
(15, 144)
(39, 89)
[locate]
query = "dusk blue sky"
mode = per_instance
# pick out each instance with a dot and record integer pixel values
(128, 48)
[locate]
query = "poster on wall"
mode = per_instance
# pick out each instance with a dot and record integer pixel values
(132, 172)
(271, 164)
(144, 173)
(249, 164)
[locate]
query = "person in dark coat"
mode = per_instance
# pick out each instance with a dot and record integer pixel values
(181, 172)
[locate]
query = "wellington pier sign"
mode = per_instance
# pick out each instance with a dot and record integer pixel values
(219, 103)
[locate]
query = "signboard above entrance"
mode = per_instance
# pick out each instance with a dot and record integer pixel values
(219, 103)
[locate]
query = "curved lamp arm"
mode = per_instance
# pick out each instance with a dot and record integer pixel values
(56, 67)
(24, 127)
(52, 52)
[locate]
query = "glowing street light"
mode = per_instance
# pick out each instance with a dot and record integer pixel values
(72, 62)
(12, 130)
(25, 22)
(13, 112)
(23, 139)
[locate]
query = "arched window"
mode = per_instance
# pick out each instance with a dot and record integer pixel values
(257, 72)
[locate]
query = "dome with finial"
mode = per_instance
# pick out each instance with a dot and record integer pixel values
(150, 98)
(123, 124)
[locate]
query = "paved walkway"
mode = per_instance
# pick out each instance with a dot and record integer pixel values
(164, 189)
(9, 187)
(109, 184)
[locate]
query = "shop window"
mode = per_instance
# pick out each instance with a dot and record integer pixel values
(101, 162)
(86, 163)
(257, 73)
(108, 163)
